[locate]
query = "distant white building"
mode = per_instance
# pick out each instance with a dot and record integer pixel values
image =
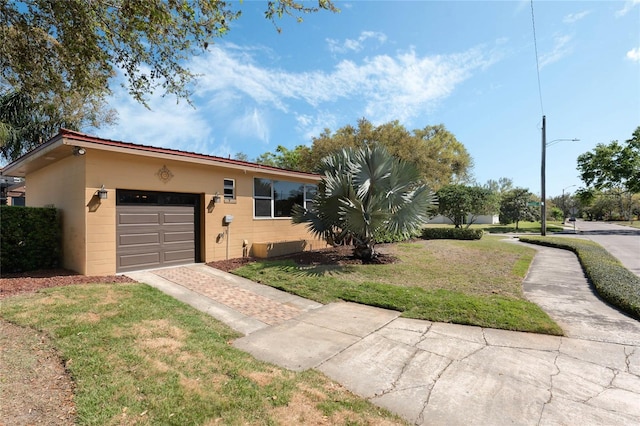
(488, 219)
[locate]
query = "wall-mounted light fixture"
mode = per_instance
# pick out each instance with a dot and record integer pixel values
(216, 198)
(78, 151)
(102, 193)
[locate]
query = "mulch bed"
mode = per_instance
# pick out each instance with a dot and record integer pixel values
(341, 255)
(25, 282)
(12, 284)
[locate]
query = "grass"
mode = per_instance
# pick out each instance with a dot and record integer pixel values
(139, 356)
(464, 282)
(523, 227)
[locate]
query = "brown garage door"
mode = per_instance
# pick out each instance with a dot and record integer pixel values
(155, 232)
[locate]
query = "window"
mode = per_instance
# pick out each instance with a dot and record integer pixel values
(262, 197)
(276, 198)
(127, 197)
(229, 189)
(309, 194)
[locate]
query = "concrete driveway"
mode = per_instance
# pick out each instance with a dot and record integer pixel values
(436, 373)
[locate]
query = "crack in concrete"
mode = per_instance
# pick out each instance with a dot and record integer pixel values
(424, 335)
(473, 353)
(394, 384)
(550, 389)
(627, 359)
(615, 373)
(417, 350)
(420, 419)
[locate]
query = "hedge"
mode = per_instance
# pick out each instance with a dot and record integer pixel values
(29, 238)
(612, 281)
(451, 234)
(381, 236)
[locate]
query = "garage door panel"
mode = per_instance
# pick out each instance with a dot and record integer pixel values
(154, 236)
(177, 237)
(140, 260)
(178, 218)
(138, 218)
(138, 239)
(178, 255)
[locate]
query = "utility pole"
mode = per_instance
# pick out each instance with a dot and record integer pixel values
(543, 192)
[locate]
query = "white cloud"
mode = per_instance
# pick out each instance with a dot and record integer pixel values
(252, 124)
(387, 86)
(168, 124)
(351, 45)
(561, 48)
(634, 54)
(311, 126)
(628, 5)
(237, 98)
(575, 17)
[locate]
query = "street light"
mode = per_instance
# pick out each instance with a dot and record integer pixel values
(543, 204)
(564, 206)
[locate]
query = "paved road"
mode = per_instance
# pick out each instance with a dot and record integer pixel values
(621, 241)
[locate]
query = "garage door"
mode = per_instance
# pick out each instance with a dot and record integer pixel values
(155, 230)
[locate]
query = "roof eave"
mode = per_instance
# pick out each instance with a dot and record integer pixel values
(17, 167)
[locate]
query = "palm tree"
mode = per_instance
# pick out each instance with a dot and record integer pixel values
(26, 122)
(365, 191)
(23, 124)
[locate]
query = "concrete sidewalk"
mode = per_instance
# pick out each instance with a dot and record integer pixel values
(435, 373)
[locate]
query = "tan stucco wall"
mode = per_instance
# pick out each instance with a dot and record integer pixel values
(125, 171)
(61, 185)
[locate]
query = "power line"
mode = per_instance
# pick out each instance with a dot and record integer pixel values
(535, 45)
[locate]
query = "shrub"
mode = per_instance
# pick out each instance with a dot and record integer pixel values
(612, 281)
(385, 236)
(29, 238)
(451, 234)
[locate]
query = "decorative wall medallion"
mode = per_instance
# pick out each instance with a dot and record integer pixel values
(164, 174)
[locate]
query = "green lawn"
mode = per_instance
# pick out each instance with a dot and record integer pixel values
(137, 356)
(465, 282)
(523, 227)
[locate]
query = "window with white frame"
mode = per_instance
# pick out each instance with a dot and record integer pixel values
(309, 194)
(229, 189)
(276, 198)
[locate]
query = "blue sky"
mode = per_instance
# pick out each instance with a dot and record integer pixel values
(469, 65)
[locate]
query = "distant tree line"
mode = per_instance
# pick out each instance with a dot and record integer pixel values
(611, 174)
(439, 157)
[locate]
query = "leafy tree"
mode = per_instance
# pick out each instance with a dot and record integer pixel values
(284, 158)
(556, 213)
(499, 186)
(457, 202)
(614, 168)
(607, 205)
(25, 123)
(564, 203)
(514, 207)
(63, 55)
(440, 158)
(365, 192)
(241, 156)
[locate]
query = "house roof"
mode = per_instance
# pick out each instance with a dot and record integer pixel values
(66, 142)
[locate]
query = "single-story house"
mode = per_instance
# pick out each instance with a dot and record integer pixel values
(12, 190)
(127, 207)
